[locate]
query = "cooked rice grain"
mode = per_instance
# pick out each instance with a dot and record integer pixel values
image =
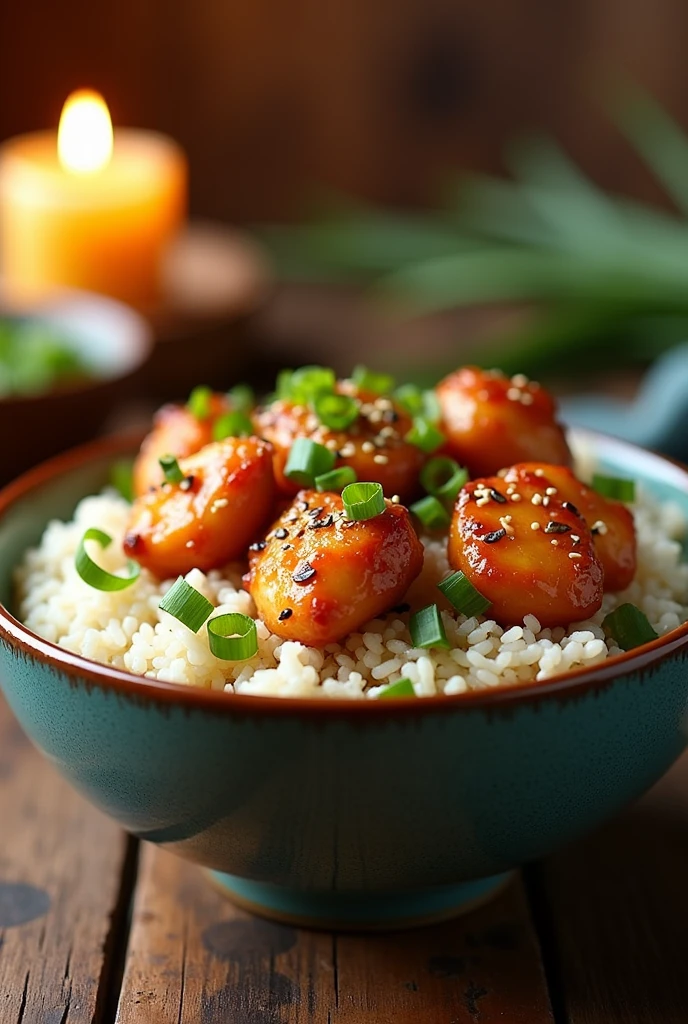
(126, 629)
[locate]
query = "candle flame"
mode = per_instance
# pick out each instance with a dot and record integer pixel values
(84, 138)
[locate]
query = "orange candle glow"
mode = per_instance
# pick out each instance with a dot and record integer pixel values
(89, 209)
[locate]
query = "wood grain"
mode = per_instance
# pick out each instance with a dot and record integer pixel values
(61, 865)
(615, 907)
(195, 959)
(380, 99)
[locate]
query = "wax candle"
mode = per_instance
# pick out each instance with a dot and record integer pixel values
(88, 208)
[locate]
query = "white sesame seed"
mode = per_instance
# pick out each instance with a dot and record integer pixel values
(519, 380)
(367, 447)
(535, 526)
(574, 554)
(483, 394)
(545, 502)
(347, 450)
(515, 497)
(526, 398)
(190, 544)
(505, 523)
(513, 394)
(510, 489)
(550, 490)
(539, 472)
(381, 460)
(599, 527)
(484, 500)
(536, 499)
(395, 499)
(331, 444)
(554, 543)
(575, 538)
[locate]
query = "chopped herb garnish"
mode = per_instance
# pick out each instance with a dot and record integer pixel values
(425, 435)
(629, 627)
(369, 380)
(336, 480)
(199, 403)
(171, 469)
(92, 573)
(458, 589)
(186, 604)
(615, 487)
(363, 500)
(431, 513)
(308, 460)
(402, 688)
(427, 629)
(232, 424)
(337, 412)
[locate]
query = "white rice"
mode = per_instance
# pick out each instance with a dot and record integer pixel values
(126, 629)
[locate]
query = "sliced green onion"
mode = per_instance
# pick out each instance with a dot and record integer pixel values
(187, 604)
(427, 628)
(418, 402)
(336, 479)
(307, 460)
(309, 381)
(92, 574)
(171, 469)
(431, 512)
(425, 435)
(402, 688)
(443, 477)
(629, 627)
(458, 589)
(336, 411)
(199, 402)
(363, 500)
(233, 636)
(232, 424)
(283, 384)
(616, 487)
(122, 478)
(368, 380)
(242, 398)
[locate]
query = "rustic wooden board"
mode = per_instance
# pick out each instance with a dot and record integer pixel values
(616, 908)
(195, 959)
(61, 869)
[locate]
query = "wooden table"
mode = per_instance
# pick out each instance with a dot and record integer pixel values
(95, 927)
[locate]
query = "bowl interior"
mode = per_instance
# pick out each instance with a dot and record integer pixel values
(56, 488)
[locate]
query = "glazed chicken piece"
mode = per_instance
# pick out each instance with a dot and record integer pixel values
(525, 555)
(176, 431)
(610, 522)
(492, 421)
(318, 576)
(373, 445)
(211, 516)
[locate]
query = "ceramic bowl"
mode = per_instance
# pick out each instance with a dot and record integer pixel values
(113, 340)
(336, 813)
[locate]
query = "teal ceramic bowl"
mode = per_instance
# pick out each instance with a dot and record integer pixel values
(336, 813)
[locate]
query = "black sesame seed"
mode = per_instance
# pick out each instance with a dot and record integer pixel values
(286, 613)
(259, 545)
(492, 538)
(281, 534)
(571, 507)
(315, 512)
(318, 524)
(304, 573)
(285, 547)
(497, 496)
(554, 527)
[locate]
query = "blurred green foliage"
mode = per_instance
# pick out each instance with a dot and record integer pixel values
(609, 276)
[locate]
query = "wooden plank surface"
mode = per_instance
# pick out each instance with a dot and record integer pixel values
(615, 907)
(195, 959)
(61, 867)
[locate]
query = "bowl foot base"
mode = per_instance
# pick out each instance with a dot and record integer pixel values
(342, 911)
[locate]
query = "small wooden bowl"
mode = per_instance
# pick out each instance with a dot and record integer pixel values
(112, 339)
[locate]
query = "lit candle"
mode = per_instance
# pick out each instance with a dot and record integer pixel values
(87, 208)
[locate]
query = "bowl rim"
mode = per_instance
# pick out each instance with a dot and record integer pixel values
(47, 310)
(569, 686)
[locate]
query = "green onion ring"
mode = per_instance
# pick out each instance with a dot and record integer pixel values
(233, 636)
(92, 574)
(186, 604)
(363, 500)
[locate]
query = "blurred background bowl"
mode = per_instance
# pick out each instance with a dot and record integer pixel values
(112, 342)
